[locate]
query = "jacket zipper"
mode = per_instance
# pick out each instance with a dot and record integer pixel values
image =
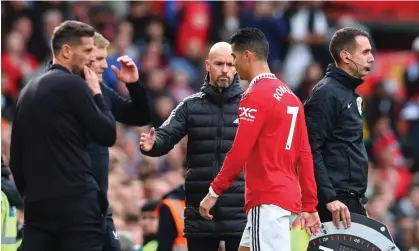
(349, 164)
(219, 136)
(218, 149)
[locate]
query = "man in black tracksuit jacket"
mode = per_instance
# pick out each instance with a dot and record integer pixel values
(334, 122)
(56, 116)
(134, 112)
(209, 118)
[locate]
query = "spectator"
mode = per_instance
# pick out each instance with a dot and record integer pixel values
(17, 63)
(409, 206)
(7, 100)
(125, 238)
(149, 224)
(171, 224)
(382, 103)
(9, 187)
(226, 22)
(308, 29)
(272, 22)
(390, 161)
(123, 46)
(410, 111)
(139, 16)
(155, 34)
(40, 42)
(193, 27)
(312, 76)
(179, 88)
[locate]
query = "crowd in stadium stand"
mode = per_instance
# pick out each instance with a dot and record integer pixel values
(169, 42)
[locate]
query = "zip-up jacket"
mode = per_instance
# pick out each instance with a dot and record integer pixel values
(210, 120)
(334, 123)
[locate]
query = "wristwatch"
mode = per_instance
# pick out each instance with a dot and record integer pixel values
(212, 193)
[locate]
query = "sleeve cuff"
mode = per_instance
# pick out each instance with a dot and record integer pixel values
(212, 193)
(326, 195)
(216, 189)
(309, 207)
(331, 198)
(134, 84)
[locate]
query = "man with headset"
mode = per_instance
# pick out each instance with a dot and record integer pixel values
(334, 123)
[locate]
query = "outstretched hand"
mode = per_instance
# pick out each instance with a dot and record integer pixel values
(147, 140)
(129, 71)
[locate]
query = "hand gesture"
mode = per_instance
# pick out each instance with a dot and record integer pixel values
(128, 73)
(147, 140)
(92, 80)
(339, 210)
(311, 222)
(205, 206)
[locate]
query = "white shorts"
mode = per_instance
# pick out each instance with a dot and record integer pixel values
(268, 228)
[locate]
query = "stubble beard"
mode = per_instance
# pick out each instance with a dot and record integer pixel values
(222, 84)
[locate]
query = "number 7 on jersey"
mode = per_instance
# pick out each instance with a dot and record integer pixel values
(293, 110)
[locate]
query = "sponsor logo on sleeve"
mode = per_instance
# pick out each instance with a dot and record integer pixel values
(247, 114)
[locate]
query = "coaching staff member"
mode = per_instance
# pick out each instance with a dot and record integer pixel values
(209, 118)
(57, 115)
(134, 112)
(334, 122)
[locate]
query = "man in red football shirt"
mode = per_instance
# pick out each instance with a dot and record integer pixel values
(272, 146)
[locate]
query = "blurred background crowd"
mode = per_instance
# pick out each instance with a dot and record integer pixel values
(169, 42)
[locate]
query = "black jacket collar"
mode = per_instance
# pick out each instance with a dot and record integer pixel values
(232, 91)
(343, 78)
(51, 66)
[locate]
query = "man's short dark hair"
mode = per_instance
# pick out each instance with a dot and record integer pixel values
(344, 39)
(149, 206)
(70, 32)
(251, 39)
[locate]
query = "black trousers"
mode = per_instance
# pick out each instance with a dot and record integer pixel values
(112, 240)
(212, 244)
(351, 201)
(71, 223)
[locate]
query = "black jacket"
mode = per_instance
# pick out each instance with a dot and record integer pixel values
(56, 117)
(209, 119)
(134, 111)
(334, 124)
(167, 232)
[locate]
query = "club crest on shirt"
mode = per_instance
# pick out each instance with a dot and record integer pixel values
(359, 104)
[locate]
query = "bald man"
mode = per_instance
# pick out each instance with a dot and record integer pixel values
(210, 119)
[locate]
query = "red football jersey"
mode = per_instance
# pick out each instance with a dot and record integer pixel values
(272, 146)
